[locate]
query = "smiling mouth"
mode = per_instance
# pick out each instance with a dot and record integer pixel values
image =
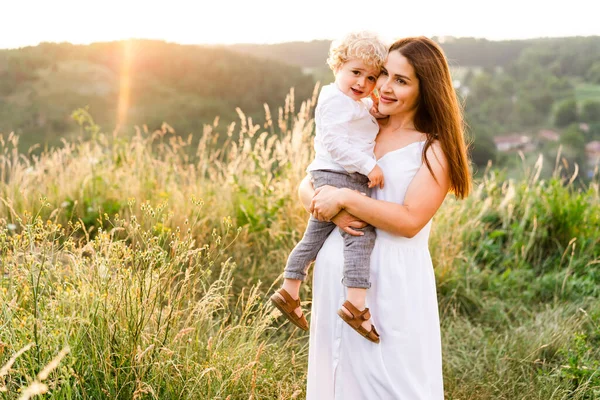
(357, 92)
(384, 99)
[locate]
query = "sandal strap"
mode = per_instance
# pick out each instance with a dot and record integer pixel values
(355, 320)
(366, 315)
(288, 299)
(372, 334)
(283, 301)
(356, 313)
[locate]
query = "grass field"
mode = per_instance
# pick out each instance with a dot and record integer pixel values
(587, 91)
(133, 266)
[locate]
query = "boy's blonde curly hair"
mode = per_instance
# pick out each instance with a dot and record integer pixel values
(364, 45)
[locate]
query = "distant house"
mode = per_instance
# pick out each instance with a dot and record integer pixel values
(548, 135)
(513, 142)
(592, 153)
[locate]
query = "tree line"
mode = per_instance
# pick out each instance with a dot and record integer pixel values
(184, 85)
(516, 86)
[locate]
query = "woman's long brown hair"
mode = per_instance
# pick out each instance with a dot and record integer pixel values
(439, 113)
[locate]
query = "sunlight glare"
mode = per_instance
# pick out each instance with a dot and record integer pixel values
(125, 85)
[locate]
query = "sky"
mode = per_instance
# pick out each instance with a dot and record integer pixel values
(29, 22)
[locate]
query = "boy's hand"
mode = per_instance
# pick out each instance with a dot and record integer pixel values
(376, 177)
(375, 109)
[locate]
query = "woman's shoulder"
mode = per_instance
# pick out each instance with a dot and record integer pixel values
(435, 155)
(433, 148)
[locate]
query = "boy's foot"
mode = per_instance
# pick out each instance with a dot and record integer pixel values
(366, 324)
(359, 320)
(290, 308)
(297, 310)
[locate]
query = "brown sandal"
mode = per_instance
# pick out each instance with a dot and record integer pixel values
(357, 318)
(287, 307)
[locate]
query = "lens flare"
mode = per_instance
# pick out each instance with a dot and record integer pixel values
(125, 85)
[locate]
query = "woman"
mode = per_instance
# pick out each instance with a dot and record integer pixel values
(422, 152)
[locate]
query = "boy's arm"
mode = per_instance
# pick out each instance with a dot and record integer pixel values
(335, 116)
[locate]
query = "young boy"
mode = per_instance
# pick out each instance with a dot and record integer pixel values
(344, 142)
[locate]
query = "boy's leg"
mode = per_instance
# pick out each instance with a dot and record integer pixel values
(300, 258)
(302, 255)
(306, 250)
(358, 249)
(357, 258)
(316, 232)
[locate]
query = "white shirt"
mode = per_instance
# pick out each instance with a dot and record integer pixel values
(345, 133)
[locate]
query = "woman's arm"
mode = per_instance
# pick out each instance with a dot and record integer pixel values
(343, 219)
(423, 198)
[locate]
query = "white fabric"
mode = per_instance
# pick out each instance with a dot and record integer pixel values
(345, 133)
(407, 363)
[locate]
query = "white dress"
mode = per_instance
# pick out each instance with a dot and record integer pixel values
(407, 363)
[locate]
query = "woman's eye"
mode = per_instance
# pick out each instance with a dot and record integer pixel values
(400, 81)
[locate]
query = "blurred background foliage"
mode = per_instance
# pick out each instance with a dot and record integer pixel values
(515, 87)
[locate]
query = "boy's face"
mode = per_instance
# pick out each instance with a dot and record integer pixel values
(356, 79)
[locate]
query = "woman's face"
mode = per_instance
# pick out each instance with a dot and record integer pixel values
(398, 86)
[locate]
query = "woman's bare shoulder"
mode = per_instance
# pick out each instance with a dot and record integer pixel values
(435, 154)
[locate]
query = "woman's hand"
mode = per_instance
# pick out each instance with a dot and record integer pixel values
(348, 222)
(326, 203)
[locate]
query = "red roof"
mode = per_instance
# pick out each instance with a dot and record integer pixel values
(549, 135)
(513, 138)
(593, 147)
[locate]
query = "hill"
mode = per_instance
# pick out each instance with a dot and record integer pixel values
(304, 54)
(156, 81)
(471, 52)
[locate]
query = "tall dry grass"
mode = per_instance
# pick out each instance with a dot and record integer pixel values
(150, 256)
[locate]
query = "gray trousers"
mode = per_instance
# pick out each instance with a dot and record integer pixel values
(357, 249)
